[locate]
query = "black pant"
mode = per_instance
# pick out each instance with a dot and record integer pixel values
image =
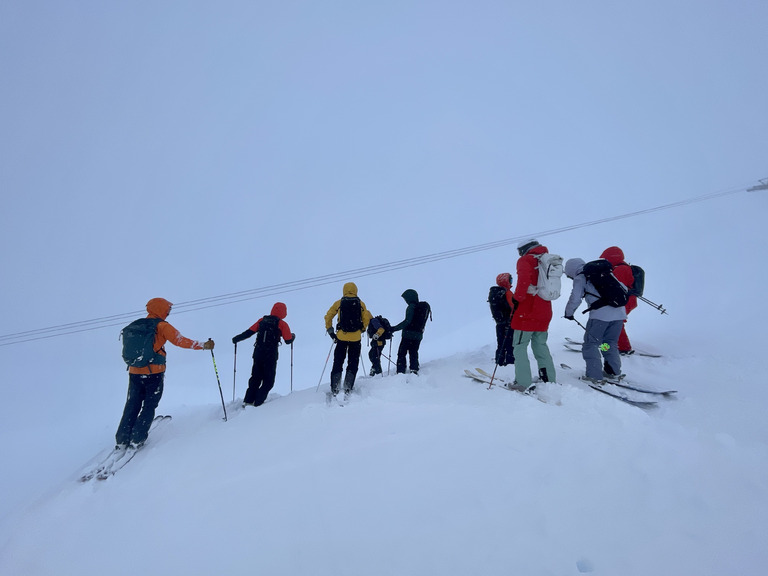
(375, 356)
(144, 393)
(262, 378)
(504, 344)
(348, 350)
(411, 348)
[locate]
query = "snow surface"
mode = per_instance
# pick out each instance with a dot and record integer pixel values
(433, 474)
(257, 144)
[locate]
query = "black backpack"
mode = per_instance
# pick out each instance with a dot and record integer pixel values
(610, 291)
(500, 309)
(268, 333)
(139, 343)
(383, 323)
(350, 314)
(420, 315)
(638, 287)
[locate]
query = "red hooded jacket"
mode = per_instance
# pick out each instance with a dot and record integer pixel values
(622, 271)
(279, 309)
(533, 313)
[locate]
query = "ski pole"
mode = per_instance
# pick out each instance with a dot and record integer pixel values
(389, 358)
(362, 361)
(503, 348)
(219, 381)
(580, 324)
(658, 307)
(291, 367)
(234, 378)
(326, 366)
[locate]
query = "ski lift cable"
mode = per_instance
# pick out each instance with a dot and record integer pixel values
(317, 281)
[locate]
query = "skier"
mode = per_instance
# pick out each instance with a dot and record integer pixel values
(145, 382)
(530, 321)
(502, 304)
(379, 330)
(268, 330)
(416, 314)
(603, 327)
(623, 272)
(353, 319)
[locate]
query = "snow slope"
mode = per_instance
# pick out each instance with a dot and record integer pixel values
(432, 474)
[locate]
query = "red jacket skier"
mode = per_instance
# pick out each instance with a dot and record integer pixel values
(623, 273)
(533, 314)
(530, 321)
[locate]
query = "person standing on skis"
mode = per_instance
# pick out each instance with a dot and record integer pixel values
(623, 272)
(268, 331)
(531, 319)
(379, 331)
(416, 315)
(353, 320)
(502, 304)
(603, 327)
(147, 374)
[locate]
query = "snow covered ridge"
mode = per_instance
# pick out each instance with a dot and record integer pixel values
(428, 474)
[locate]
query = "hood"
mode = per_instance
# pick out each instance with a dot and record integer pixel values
(504, 280)
(537, 250)
(410, 296)
(350, 290)
(279, 310)
(614, 255)
(159, 308)
(573, 267)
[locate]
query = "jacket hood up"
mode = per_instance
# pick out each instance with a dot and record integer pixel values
(279, 310)
(159, 308)
(410, 296)
(504, 280)
(573, 267)
(614, 255)
(350, 290)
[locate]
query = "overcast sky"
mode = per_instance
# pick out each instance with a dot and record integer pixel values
(192, 149)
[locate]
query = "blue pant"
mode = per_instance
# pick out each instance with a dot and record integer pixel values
(144, 393)
(602, 332)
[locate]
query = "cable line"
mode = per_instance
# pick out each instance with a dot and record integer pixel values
(316, 281)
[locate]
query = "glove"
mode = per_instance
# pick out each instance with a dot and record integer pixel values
(291, 339)
(235, 339)
(208, 345)
(570, 317)
(331, 333)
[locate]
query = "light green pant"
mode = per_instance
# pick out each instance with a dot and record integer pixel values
(538, 342)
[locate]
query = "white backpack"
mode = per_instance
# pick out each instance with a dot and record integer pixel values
(550, 270)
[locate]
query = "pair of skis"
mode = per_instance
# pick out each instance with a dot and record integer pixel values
(575, 346)
(481, 375)
(119, 457)
(621, 384)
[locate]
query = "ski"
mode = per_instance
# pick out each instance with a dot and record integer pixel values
(338, 399)
(621, 384)
(638, 403)
(482, 376)
(575, 343)
(117, 458)
(505, 383)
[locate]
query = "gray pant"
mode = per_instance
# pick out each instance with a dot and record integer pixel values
(602, 332)
(538, 342)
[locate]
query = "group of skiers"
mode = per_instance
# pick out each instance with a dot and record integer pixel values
(523, 314)
(144, 352)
